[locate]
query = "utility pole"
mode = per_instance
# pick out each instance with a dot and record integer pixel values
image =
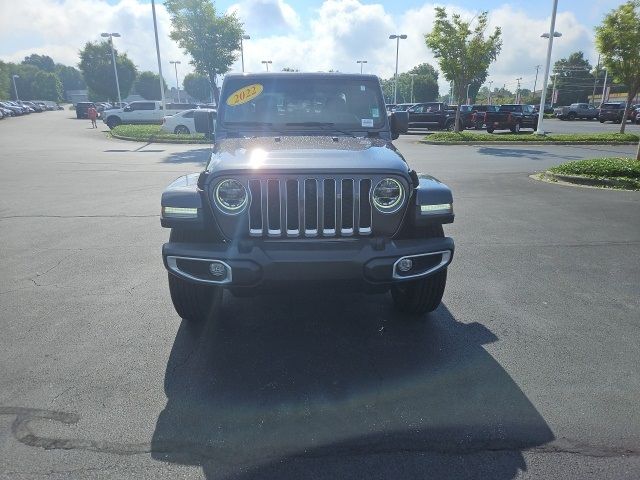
(243, 37)
(518, 100)
(175, 64)
(155, 30)
(595, 83)
(535, 84)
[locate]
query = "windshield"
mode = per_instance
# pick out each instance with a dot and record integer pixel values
(303, 101)
(511, 108)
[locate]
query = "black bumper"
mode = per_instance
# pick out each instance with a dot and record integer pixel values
(252, 263)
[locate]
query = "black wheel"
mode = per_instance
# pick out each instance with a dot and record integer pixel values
(181, 130)
(478, 126)
(515, 128)
(113, 122)
(601, 120)
(417, 297)
(489, 130)
(572, 116)
(450, 126)
(193, 302)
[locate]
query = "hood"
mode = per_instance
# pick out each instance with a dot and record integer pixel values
(306, 154)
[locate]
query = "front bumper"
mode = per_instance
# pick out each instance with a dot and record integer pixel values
(252, 263)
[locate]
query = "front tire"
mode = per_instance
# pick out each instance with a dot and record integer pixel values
(489, 130)
(193, 302)
(113, 122)
(417, 297)
(515, 128)
(181, 130)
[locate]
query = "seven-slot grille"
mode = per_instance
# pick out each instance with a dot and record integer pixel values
(310, 207)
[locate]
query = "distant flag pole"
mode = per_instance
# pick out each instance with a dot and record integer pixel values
(155, 29)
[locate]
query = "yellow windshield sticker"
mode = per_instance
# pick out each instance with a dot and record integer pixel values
(244, 95)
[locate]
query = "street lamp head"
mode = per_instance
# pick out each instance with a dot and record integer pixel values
(246, 37)
(403, 37)
(555, 35)
(393, 37)
(104, 34)
(176, 62)
(115, 34)
(16, 76)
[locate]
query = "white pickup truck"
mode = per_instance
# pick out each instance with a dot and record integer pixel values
(142, 112)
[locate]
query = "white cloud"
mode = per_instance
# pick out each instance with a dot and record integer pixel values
(333, 36)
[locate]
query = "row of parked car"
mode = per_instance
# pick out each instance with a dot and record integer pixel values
(10, 108)
(607, 112)
(440, 116)
(176, 118)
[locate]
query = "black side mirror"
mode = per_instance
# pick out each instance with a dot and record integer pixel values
(399, 123)
(127, 108)
(204, 122)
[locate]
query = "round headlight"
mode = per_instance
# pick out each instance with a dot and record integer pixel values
(231, 196)
(388, 195)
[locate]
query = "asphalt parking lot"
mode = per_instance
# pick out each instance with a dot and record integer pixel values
(529, 369)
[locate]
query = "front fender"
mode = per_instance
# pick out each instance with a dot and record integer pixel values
(181, 203)
(433, 202)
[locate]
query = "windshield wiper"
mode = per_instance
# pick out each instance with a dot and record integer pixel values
(324, 125)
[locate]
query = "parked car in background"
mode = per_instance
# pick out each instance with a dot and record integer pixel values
(1, 115)
(16, 110)
(182, 123)
(6, 111)
(479, 112)
(391, 107)
(82, 108)
(612, 112)
(143, 112)
(403, 107)
(432, 115)
(576, 110)
(512, 117)
(634, 114)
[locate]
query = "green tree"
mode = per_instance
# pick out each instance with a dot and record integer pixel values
(425, 69)
(70, 77)
(463, 53)
(97, 70)
(5, 80)
(46, 86)
(574, 81)
(43, 62)
(618, 40)
(212, 40)
(147, 85)
(198, 86)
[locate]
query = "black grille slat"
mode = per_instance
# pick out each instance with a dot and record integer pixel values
(346, 227)
(329, 217)
(273, 207)
(310, 207)
(364, 220)
(293, 216)
(255, 209)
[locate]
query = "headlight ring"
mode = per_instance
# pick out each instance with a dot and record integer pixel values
(230, 196)
(388, 195)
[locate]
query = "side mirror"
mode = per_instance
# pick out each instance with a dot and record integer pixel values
(399, 123)
(204, 122)
(127, 108)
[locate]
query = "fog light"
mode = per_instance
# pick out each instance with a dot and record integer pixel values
(218, 270)
(405, 265)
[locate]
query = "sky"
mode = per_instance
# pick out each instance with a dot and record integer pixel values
(309, 35)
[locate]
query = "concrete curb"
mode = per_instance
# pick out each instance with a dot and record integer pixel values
(152, 139)
(591, 182)
(474, 143)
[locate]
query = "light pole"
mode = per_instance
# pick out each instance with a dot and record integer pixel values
(175, 63)
(266, 63)
(468, 99)
(243, 37)
(595, 83)
(518, 90)
(412, 75)
(15, 89)
(155, 31)
(113, 59)
(604, 85)
(535, 83)
(397, 38)
(552, 33)
(361, 62)
(490, 85)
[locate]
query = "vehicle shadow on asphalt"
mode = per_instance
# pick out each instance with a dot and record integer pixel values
(198, 155)
(524, 153)
(340, 386)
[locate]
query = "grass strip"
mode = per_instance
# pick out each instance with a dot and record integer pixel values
(525, 137)
(154, 133)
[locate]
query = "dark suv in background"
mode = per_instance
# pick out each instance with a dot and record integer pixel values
(612, 111)
(82, 109)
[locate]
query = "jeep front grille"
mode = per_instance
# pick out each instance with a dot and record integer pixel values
(310, 207)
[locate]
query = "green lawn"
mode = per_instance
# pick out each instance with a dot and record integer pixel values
(447, 137)
(146, 133)
(626, 170)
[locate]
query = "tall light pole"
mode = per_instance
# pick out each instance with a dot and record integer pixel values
(175, 64)
(155, 31)
(595, 83)
(468, 99)
(397, 38)
(552, 33)
(361, 62)
(243, 37)
(553, 89)
(15, 89)
(518, 90)
(113, 59)
(604, 85)
(412, 75)
(490, 85)
(266, 63)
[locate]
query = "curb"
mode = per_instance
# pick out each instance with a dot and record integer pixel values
(475, 143)
(592, 182)
(153, 139)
